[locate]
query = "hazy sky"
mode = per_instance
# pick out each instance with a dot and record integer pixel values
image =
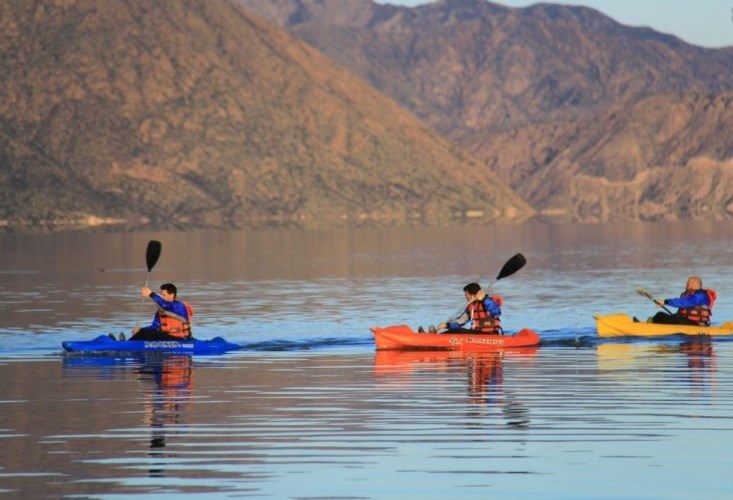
(708, 23)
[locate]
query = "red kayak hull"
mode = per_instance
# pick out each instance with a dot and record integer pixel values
(404, 337)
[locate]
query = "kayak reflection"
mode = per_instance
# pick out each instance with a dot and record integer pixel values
(692, 361)
(484, 376)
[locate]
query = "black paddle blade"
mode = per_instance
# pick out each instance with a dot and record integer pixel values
(513, 265)
(152, 253)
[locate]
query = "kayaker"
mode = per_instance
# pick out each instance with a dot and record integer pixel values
(481, 315)
(172, 320)
(694, 305)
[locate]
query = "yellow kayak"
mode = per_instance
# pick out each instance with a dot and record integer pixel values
(621, 325)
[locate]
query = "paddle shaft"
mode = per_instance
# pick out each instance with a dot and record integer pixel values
(649, 296)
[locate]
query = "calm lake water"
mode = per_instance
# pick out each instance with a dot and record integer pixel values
(307, 409)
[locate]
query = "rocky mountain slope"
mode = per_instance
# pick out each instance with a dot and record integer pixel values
(472, 65)
(665, 156)
(194, 113)
(561, 101)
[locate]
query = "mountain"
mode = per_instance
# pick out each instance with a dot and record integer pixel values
(181, 114)
(467, 66)
(562, 101)
(666, 156)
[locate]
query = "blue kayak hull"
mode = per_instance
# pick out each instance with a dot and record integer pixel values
(104, 343)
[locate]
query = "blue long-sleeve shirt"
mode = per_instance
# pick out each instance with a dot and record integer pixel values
(463, 320)
(699, 298)
(174, 306)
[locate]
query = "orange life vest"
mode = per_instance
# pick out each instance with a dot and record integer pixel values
(699, 314)
(483, 321)
(175, 325)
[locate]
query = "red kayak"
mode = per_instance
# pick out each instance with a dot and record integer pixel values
(404, 337)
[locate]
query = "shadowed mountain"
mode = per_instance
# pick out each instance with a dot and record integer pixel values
(194, 113)
(565, 103)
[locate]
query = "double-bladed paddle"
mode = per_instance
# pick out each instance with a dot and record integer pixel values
(649, 296)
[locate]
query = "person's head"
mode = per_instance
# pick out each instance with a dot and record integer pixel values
(694, 283)
(471, 290)
(168, 291)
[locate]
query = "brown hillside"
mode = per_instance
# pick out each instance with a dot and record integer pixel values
(467, 66)
(586, 118)
(193, 113)
(663, 157)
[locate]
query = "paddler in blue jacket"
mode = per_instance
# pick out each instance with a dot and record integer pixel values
(481, 315)
(694, 305)
(172, 320)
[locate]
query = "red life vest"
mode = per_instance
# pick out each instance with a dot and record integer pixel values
(483, 321)
(175, 325)
(699, 314)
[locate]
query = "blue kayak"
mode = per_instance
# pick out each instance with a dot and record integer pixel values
(104, 343)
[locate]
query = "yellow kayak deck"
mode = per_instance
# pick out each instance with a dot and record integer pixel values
(622, 325)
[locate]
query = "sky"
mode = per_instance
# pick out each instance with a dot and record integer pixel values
(707, 23)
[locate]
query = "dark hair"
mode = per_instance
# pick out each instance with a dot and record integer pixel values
(472, 288)
(170, 288)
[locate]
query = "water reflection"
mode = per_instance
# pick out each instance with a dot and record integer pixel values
(166, 385)
(322, 417)
(700, 363)
(484, 373)
(692, 361)
(384, 425)
(701, 353)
